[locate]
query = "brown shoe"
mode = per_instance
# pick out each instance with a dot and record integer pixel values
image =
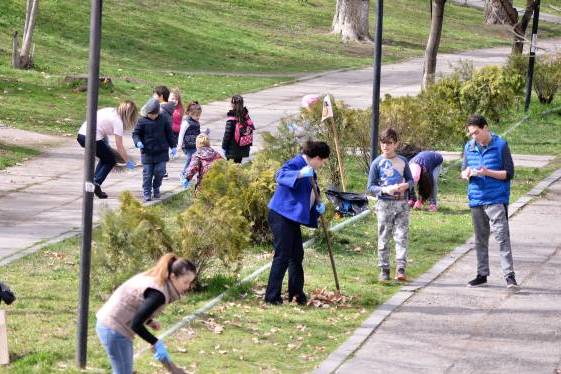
(400, 275)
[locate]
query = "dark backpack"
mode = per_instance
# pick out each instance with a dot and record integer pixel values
(243, 134)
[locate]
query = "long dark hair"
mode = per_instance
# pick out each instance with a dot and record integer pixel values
(238, 108)
(425, 185)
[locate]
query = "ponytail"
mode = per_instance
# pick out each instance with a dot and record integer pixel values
(170, 264)
(239, 109)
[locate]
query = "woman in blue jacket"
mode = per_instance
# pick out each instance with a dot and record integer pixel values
(294, 203)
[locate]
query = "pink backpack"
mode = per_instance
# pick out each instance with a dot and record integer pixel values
(243, 134)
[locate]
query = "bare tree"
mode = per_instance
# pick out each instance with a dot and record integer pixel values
(500, 12)
(23, 59)
(520, 27)
(431, 51)
(351, 20)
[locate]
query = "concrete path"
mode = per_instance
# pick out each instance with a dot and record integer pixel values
(544, 16)
(449, 328)
(528, 161)
(40, 200)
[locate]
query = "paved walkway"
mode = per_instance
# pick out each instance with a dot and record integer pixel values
(40, 200)
(544, 16)
(449, 328)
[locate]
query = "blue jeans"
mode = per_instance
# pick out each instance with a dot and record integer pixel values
(118, 348)
(152, 175)
(188, 154)
(106, 158)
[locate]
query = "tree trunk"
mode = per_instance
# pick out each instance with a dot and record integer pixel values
(521, 26)
(23, 58)
(500, 12)
(431, 52)
(351, 20)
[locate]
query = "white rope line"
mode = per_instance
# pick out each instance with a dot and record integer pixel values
(212, 303)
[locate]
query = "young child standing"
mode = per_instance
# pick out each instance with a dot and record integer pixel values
(201, 161)
(389, 180)
(153, 136)
(190, 129)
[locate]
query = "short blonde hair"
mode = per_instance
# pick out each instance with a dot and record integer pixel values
(202, 141)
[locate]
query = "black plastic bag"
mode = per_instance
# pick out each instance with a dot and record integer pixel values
(348, 203)
(6, 295)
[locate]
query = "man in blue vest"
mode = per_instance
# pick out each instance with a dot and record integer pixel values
(488, 167)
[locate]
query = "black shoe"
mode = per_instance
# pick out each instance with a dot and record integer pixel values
(166, 176)
(480, 280)
(301, 299)
(157, 194)
(384, 275)
(273, 301)
(99, 193)
(511, 282)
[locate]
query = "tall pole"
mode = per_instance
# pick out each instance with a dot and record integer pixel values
(376, 82)
(532, 58)
(87, 201)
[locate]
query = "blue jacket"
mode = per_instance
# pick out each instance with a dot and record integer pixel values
(292, 195)
(157, 137)
(496, 155)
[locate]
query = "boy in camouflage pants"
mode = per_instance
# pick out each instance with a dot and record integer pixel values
(389, 180)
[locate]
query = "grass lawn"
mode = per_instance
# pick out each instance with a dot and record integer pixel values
(209, 49)
(255, 337)
(540, 135)
(10, 155)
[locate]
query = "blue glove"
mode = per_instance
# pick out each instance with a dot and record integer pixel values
(185, 183)
(130, 165)
(320, 208)
(160, 351)
(139, 145)
(306, 171)
(173, 152)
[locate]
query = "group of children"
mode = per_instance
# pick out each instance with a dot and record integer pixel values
(487, 166)
(165, 124)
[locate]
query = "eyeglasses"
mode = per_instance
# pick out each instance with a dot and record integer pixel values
(473, 133)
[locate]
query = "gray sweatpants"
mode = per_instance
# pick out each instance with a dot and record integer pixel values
(487, 218)
(393, 218)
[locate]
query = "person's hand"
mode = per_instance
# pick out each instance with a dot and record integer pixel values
(130, 165)
(185, 183)
(154, 325)
(483, 171)
(390, 190)
(139, 145)
(320, 208)
(160, 351)
(173, 152)
(402, 187)
(306, 171)
(466, 173)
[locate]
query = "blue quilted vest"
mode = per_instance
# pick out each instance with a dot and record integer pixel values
(486, 190)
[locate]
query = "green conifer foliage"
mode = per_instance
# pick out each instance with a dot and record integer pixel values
(132, 238)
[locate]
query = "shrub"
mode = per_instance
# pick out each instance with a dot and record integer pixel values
(547, 78)
(490, 91)
(261, 176)
(132, 238)
(283, 145)
(209, 231)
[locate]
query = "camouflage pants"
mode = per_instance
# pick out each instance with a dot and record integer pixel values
(393, 219)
